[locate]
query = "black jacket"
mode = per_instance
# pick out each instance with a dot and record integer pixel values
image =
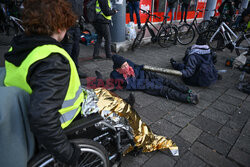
(106, 11)
(49, 80)
(77, 7)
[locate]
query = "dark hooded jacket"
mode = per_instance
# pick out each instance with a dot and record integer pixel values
(49, 80)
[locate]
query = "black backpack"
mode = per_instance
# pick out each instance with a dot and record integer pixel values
(206, 72)
(89, 10)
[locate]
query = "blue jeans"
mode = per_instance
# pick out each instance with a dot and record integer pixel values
(134, 7)
(173, 11)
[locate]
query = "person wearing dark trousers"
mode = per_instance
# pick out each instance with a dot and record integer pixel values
(184, 8)
(71, 40)
(101, 24)
(171, 6)
(133, 6)
(133, 77)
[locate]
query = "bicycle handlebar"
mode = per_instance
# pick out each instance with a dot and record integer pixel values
(147, 12)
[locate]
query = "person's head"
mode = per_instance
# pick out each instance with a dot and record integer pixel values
(119, 62)
(201, 40)
(48, 17)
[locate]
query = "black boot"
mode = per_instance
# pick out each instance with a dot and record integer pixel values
(193, 99)
(130, 99)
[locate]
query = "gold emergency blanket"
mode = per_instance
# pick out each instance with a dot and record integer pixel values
(143, 136)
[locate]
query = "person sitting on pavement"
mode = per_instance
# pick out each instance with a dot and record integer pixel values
(134, 77)
(198, 67)
(37, 64)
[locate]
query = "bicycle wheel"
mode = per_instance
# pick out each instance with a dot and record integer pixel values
(167, 37)
(243, 44)
(186, 34)
(92, 154)
(203, 26)
(138, 38)
(217, 43)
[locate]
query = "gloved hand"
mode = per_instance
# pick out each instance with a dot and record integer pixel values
(73, 161)
(172, 61)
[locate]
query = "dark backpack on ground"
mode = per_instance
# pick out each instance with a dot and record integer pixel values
(89, 10)
(206, 72)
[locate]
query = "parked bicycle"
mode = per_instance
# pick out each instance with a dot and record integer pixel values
(186, 32)
(10, 26)
(224, 36)
(166, 33)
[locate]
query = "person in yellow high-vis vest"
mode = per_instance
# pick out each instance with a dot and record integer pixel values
(101, 24)
(37, 63)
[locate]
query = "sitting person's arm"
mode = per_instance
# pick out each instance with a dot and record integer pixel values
(190, 67)
(49, 80)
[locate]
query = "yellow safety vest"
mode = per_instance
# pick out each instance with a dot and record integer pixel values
(98, 9)
(17, 76)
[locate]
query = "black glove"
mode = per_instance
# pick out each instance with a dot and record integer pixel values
(172, 61)
(73, 161)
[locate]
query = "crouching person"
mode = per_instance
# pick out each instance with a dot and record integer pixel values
(198, 67)
(39, 65)
(133, 77)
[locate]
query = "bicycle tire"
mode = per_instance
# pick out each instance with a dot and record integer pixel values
(167, 37)
(187, 32)
(245, 44)
(203, 26)
(138, 38)
(216, 43)
(89, 149)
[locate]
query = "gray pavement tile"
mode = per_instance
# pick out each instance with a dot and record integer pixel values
(189, 110)
(203, 104)
(165, 128)
(224, 107)
(216, 115)
(164, 105)
(177, 118)
(243, 143)
(160, 160)
(190, 133)
(209, 95)
(239, 156)
(206, 124)
(214, 143)
(182, 144)
(210, 156)
(144, 99)
(128, 161)
(246, 129)
(228, 135)
(248, 98)
(231, 100)
(151, 113)
(190, 159)
(236, 93)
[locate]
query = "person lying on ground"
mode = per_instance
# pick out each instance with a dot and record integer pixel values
(134, 77)
(198, 65)
(39, 65)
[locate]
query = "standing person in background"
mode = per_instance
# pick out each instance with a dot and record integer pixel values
(101, 24)
(133, 6)
(184, 7)
(71, 40)
(227, 10)
(171, 6)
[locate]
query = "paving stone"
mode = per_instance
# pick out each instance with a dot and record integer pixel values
(182, 144)
(165, 128)
(190, 159)
(246, 129)
(216, 115)
(229, 135)
(210, 156)
(128, 161)
(143, 99)
(239, 156)
(189, 110)
(243, 143)
(238, 120)
(206, 124)
(214, 143)
(224, 107)
(190, 133)
(248, 98)
(164, 105)
(177, 118)
(203, 104)
(161, 160)
(236, 93)
(230, 100)
(209, 95)
(151, 113)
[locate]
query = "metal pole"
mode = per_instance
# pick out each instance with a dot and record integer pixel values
(162, 70)
(244, 4)
(211, 5)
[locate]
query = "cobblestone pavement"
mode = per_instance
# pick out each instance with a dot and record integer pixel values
(216, 132)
